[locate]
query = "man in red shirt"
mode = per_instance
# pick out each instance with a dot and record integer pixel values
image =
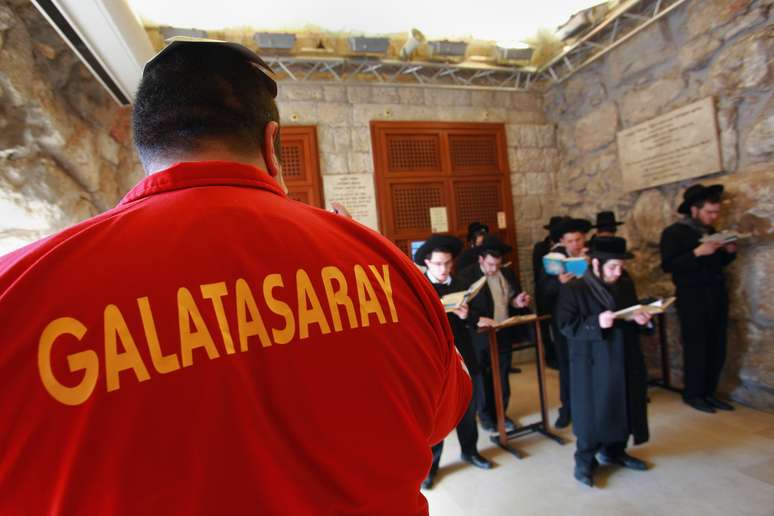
(210, 346)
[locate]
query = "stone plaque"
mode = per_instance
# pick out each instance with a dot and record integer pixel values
(356, 193)
(672, 147)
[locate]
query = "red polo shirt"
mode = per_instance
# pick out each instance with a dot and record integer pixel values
(211, 347)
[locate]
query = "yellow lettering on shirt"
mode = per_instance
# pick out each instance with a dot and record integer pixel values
(369, 303)
(86, 361)
(163, 364)
(309, 308)
(245, 306)
(115, 361)
(337, 296)
(384, 282)
(285, 334)
(215, 292)
(199, 337)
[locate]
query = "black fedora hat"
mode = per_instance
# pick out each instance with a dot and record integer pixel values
(697, 193)
(475, 229)
(556, 219)
(610, 248)
(445, 243)
(492, 243)
(606, 219)
(571, 225)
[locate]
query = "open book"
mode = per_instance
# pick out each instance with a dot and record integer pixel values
(656, 307)
(557, 263)
(456, 299)
(725, 237)
(510, 321)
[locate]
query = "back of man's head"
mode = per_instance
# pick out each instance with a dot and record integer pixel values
(200, 95)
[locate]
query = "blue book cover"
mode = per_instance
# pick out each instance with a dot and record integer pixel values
(556, 264)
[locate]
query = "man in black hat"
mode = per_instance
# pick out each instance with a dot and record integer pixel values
(702, 300)
(437, 255)
(606, 225)
(571, 233)
(500, 298)
(476, 233)
(609, 378)
(541, 249)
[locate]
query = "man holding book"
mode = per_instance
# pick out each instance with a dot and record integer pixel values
(501, 297)
(608, 374)
(437, 255)
(539, 250)
(572, 244)
(696, 264)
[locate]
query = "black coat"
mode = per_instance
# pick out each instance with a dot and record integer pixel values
(483, 305)
(608, 378)
(540, 249)
(547, 286)
(689, 271)
(459, 326)
(466, 258)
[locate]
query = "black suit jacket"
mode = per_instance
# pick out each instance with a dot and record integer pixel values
(483, 306)
(460, 327)
(689, 271)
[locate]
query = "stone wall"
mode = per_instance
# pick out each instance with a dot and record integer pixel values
(65, 149)
(342, 114)
(717, 48)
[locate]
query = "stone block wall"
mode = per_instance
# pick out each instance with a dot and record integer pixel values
(718, 48)
(342, 114)
(65, 149)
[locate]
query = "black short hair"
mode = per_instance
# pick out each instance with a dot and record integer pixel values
(712, 199)
(198, 94)
(491, 252)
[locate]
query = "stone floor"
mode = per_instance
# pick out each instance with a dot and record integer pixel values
(703, 464)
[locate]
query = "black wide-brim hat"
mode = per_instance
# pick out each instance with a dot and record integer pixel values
(492, 243)
(553, 222)
(610, 248)
(697, 193)
(474, 228)
(571, 225)
(606, 219)
(448, 243)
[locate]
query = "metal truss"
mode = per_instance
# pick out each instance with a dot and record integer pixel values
(375, 70)
(624, 22)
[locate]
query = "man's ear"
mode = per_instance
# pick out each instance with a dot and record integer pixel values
(268, 149)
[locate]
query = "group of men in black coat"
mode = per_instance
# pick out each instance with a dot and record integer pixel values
(603, 378)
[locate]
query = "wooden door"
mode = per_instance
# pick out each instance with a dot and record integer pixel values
(462, 166)
(301, 164)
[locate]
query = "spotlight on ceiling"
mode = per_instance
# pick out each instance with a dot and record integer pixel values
(363, 45)
(447, 49)
(170, 32)
(415, 39)
(275, 41)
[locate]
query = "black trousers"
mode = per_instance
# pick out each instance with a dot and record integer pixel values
(586, 450)
(563, 361)
(483, 386)
(703, 316)
(467, 433)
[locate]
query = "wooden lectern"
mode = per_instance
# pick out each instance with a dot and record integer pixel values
(543, 426)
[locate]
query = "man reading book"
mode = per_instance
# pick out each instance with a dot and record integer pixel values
(437, 255)
(572, 243)
(702, 299)
(608, 374)
(500, 298)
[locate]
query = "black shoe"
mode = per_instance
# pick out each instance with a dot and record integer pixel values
(514, 370)
(583, 476)
(488, 425)
(563, 421)
(510, 426)
(427, 483)
(700, 404)
(718, 404)
(625, 460)
(477, 460)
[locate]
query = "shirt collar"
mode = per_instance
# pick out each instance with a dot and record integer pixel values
(202, 173)
(435, 280)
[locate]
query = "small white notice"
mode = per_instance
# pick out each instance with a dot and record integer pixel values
(439, 222)
(356, 193)
(501, 221)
